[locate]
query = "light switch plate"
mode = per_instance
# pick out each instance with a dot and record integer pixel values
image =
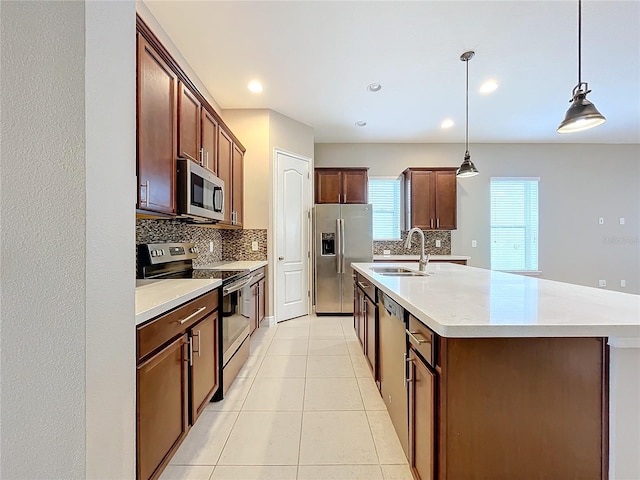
(254, 245)
(211, 246)
(602, 283)
(474, 243)
(438, 243)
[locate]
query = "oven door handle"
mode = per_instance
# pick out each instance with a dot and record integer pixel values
(234, 287)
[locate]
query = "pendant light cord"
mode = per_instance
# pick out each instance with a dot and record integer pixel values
(579, 43)
(467, 110)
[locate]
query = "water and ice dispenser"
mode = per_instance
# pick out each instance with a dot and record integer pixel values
(328, 244)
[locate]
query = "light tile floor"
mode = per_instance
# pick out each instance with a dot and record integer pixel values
(304, 407)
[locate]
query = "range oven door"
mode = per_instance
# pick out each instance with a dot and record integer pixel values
(235, 326)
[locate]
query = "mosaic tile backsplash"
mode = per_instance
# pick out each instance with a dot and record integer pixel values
(430, 237)
(227, 244)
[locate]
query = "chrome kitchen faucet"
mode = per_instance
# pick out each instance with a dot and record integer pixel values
(424, 260)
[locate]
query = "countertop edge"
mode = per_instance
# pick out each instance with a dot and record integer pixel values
(415, 258)
(164, 307)
(624, 333)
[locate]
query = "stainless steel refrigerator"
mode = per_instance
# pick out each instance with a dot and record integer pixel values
(342, 235)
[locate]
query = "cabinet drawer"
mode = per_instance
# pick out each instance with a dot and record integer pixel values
(422, 339)
(159, 331)
(368, 288)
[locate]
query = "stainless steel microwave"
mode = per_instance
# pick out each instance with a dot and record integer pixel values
(200, 192)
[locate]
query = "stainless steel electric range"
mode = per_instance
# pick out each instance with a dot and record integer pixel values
(175, 260)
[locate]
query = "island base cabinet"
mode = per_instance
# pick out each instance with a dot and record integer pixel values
(162, 407)
(522, 408)
(422, 387)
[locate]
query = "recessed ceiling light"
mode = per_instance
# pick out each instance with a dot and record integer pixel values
(255, 86)
(374, 87)
(447, 123)
(361, 123)
(488, 87)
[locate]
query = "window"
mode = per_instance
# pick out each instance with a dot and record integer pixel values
(384, 194)
(514, 224)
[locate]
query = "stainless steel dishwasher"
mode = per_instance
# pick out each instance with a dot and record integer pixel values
(392, 364)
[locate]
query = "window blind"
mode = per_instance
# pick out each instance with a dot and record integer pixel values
(514, 224)
(384, 195)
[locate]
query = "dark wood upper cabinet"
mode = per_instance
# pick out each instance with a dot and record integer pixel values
(341, 185)
(156, 131)
(209, 141)
(225, 165)
(188, 125)
(237, 201)
(430, 198)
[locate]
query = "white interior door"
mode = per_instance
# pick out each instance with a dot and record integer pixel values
(292, 248)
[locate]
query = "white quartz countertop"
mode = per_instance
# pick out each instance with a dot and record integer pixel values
(250, 265)
(155, 297)
(415, 258)
(462, 301)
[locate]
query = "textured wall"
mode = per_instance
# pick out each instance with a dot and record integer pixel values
(43, 240)
(110, 196)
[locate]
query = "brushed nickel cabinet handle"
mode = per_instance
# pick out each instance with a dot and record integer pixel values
(416, 339)
(437, 223)
(186, 319)
(198, 335)
(190, 352)
(144, 198)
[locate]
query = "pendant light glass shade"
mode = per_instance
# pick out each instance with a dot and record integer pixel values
(467, 169)
(582, 114)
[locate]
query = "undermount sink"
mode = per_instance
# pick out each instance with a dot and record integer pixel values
(397, 272)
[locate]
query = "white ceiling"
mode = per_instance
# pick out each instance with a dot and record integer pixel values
(315, 60)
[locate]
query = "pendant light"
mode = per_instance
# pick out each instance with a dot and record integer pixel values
(582, 114)
(467, 169)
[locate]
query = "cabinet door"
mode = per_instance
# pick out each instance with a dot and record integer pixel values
(238, 185)
(188, 125)
(445, 200)
(225, 156)
(362, 321)
(162, 396)
(156, 123)
(328, 186)
(262, 300)
(420, 208)
(204, 368)
(422, 382)
(371, 331)
(209, 141)
(355, 184)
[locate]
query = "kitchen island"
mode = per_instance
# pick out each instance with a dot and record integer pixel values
(523, 378)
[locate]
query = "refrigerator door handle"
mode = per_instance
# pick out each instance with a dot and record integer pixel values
(338, 246)
(342, 248)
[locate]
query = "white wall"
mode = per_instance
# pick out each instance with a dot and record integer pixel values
(166, 41)
(252, 129)
(578, 184)
(67, 316)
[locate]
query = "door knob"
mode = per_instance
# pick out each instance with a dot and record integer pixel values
(280, 258)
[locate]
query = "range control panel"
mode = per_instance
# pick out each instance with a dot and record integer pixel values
(155, 253)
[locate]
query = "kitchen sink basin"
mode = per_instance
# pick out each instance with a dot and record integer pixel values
(397, 272)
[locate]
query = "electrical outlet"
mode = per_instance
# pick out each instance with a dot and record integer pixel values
(621, 220)
(474, 243)
(623, 283)
(211, 246)
(602, 283)
(601, 221)
(254, 245)
(438, 243)
(386, 252)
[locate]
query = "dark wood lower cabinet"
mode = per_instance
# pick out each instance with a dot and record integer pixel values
(371, 332)
(522, 408)
(163, 409)
(422, 393)
(204, 370)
